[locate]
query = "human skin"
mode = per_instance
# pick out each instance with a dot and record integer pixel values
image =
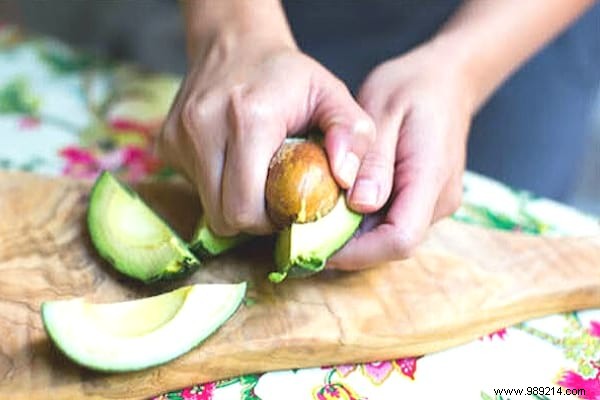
(248, 87)
(399, 147)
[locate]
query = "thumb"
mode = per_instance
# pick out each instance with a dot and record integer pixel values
(374, 179)
(348, 130)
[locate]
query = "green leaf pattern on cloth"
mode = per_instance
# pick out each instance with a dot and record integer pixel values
(63, 112)
(16, 97)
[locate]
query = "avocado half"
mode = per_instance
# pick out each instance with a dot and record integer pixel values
(129, 235)
(139, 334)
(303, 249)
(206, 244)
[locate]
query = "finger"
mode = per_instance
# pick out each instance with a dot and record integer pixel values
(167, 146)
(165, 140)
(373, 183)
(403, 228)
(450, 198)
(208, 176)
(201, 152)
(416, 189)
(255, 136)
(348, 130)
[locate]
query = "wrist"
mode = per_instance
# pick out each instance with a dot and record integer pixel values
(226, 24)
(458, 65)
(228, 45)
(490, 40)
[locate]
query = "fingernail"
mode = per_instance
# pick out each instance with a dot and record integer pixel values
(365, 192)
(349, 169)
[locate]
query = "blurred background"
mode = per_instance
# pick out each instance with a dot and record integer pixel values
(150, 33)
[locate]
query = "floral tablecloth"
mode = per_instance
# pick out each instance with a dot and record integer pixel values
(65, 113)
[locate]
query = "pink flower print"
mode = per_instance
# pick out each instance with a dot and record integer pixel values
(138, 163)
(345, 370)
(595, 329)
(27, 123)
(335, 391)
(133, 163)
(407, 366)
(200, 392)
(110, 161)
(377, 372)
(80, 163)
(122, 124)
(500, 333)
(78, 155)
(591, 386)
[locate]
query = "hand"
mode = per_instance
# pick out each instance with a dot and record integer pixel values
(422, 110)
(241, 98)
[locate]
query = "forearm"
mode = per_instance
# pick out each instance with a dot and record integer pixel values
(229, 20)
(491, 38)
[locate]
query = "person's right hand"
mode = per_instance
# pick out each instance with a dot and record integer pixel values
(234, 109)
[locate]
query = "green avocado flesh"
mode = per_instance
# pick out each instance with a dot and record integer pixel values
(303, 249)
(128, 234)
(206, 243)
(139, 334)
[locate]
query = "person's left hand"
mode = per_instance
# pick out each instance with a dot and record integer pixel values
(412, 174)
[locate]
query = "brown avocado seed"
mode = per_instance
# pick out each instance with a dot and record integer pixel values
(300, 187)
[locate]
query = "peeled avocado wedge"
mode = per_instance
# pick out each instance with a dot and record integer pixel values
(305, 202)
(206, 243)
(129, 235)
(303, 249)
(139, 334)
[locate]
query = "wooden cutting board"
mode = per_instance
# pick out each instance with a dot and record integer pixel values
(463, 282)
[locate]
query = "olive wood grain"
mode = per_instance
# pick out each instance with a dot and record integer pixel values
(463, 282)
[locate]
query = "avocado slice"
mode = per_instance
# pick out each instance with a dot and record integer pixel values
(129, 235)
(303, 249)
(206, 243)
(139, 334)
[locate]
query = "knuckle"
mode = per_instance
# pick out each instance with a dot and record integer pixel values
(393, 106)
(194, 114)
(376, 164)
(365, 128)
(402, 244)
(241, 218)
(246, 108)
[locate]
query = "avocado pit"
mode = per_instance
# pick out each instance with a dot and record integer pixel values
(300, 187)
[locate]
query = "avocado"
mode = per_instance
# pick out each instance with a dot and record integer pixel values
(129, 235)
(139, 334)
(303, 249)
(206, 243)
